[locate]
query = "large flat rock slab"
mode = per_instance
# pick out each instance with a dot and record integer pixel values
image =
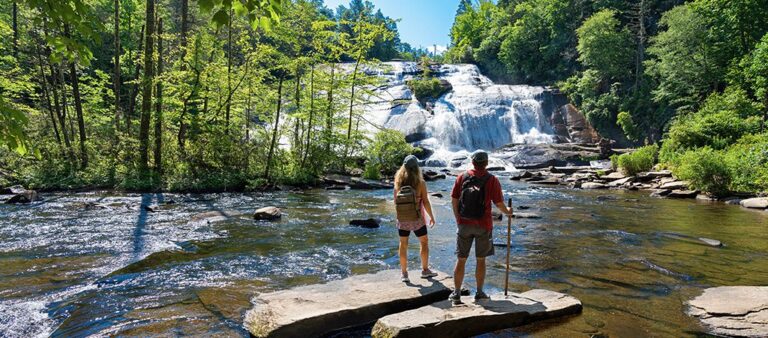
(315, 310)
(441, 319)
(740, 311)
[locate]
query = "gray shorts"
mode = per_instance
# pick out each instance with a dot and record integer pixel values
(483, 239)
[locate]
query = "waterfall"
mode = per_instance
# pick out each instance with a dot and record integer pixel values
(475, 114)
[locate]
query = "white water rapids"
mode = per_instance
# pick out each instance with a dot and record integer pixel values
(475, 114)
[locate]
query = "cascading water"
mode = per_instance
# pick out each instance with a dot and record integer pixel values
(475, 114)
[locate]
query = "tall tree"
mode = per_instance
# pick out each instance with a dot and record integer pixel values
(118, 50)
(159, 101)
(75, 82)
(15, 29)
(273, 143)
(146, 83)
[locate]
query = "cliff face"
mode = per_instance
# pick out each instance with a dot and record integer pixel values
(568, 122)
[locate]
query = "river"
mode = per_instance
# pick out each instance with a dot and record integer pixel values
(68, 268)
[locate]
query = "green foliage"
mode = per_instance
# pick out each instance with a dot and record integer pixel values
(12, 124)
(639, 160)
(372, 171)
(624, 120)
(722, 120)
(705, 169)
(604, 46)
(387, 151)
(755, 70)
(748, 163)
(426, 89)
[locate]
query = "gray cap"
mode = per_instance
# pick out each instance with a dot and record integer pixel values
(479, 156)
(411, 162)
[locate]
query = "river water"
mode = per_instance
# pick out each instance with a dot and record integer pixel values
(70, 269)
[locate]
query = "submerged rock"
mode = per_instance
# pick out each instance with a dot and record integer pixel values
(733, 310)
(683, 194)
(267, 214)
(593, 185)
(370, 223)
(472, 318)
(215, 216)
(755, 203)
(315, 310)
(26, 196)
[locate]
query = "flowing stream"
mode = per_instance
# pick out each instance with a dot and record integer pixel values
(68, 268)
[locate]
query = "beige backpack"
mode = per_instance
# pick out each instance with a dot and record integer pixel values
(406, 205)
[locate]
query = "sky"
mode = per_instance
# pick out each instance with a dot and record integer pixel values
(423, 23)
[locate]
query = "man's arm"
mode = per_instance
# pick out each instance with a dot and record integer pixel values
(455, 203)
(503, 208)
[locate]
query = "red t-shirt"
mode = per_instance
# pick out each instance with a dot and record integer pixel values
(493, 195)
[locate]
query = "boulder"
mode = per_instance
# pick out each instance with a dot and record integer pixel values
(710, 242)
(526, 215)
(674, 185)
(432, 176)
(365, 184)
(548, 181)
(16, 189)
(336, 187)
(267, 214)
(733, 310)
(370, 223)
(569, 170)
(705, 198)
(316, 310)
(755, 203)
(593, 185)
(621, 181)
(613, 176)
(437, 194)
(520, 175)
(650, 175)
(660, 192)
(683, 194)
(26, 196)
(473, 318)
(732, 200)
(215, 216)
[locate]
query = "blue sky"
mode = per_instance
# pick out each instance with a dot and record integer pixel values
(422, 22)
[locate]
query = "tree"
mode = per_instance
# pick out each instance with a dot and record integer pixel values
(604, 46)
(159, 101)
(146, 83)
(755, 67)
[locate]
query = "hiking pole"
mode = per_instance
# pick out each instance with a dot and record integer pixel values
(509, 243)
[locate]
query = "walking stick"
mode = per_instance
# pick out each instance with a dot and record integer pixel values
(509, 243)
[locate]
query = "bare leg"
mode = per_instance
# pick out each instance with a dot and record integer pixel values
(480, 273)
(424, 241)
(403, 251)
(458, 273)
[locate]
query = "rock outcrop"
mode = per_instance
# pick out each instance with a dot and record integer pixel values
(755, 203)
(23, 197)
(473, 318)
(370, 223)
(740, 311)
(315, 310)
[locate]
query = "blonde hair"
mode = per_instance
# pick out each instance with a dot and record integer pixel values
(412, 177)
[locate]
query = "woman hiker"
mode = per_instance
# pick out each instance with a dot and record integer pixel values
(412, 204)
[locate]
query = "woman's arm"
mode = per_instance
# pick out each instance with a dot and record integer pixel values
(427, 204)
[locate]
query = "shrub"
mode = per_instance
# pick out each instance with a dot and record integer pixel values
(427, 89)
(748, 163)
(705, 169)
(624, 120)
(372, 171)
(641, 159)
(387, 151)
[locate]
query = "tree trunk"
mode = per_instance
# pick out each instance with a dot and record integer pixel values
(297, 126)
(68, 135)
(352, 99)
(311, 114)
(184, 28)
(146, 102)
(15, 30)
(44, 84)
(159, 101)
(135, 88)
(117, 67)
(79, 112)
(229, 71)
(274, 132)
(329, 114)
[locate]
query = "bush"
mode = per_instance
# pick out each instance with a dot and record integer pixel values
(427, 89)
(372, 171)
(748, 163)
(641, 159)
(706, 170)
(387, 151)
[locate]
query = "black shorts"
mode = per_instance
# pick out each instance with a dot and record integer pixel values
(419, 232)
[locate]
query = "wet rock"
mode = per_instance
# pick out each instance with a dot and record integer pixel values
(437, 194)
(548, 181)
(526, 215)
(732, 200)
(733, 310)
(613, 176)
(370, 223)
(336, 187)
(497, 216)
(683, 194)
(364, 184)
(520, 175)
(621, 181)
(710, 242)
(430, 175)
(660, 192)
(473, 318)
(215, 216)
(496, 168)
(647, 176)
(705, 198)
(315, 310)
(26, 196)
(569, 170)
(674, 185)
(755, 203)
(267, 214)
(16, 189)
(593, 185)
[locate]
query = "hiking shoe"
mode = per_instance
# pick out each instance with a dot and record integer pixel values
(404, 278)
(480, 295)
(455, 298)
(428, 273)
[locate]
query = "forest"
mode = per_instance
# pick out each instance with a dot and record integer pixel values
(186, 95)
(688, 76)
(231, 95)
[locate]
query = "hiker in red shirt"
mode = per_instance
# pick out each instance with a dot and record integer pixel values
(472, 196)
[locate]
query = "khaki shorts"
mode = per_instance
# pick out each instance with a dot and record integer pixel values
(482, 237)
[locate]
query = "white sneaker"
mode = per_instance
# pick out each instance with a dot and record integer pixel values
(428, 273)
(404, 278)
